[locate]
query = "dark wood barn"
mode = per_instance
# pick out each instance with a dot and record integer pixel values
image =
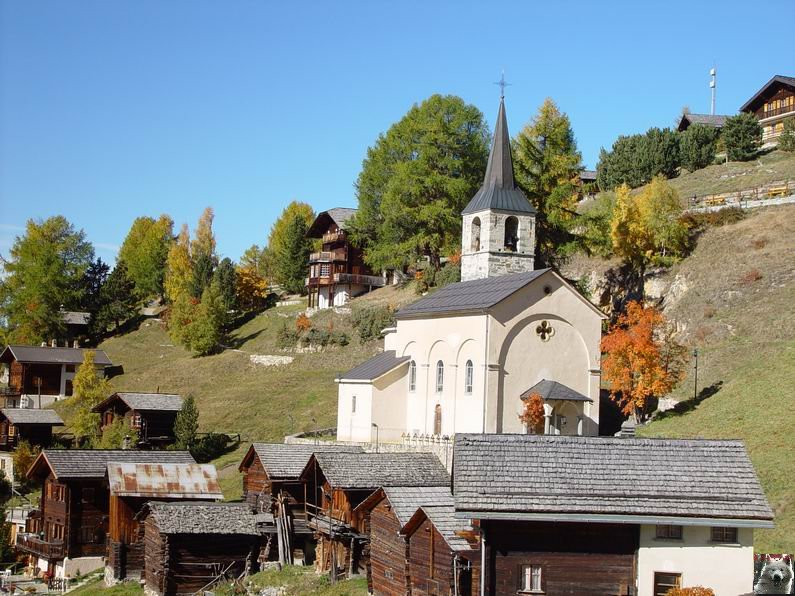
(385, 512)
(40, 375)
(23, 424)
(131, 485)
(191, 546)
(152, 415)
(72, 520)
(566, 515)
(272, 484)
(339, 482)
(444, 554)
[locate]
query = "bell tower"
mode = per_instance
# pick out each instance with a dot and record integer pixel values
(498, 235)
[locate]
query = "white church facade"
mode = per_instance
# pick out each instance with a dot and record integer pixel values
(465, 357)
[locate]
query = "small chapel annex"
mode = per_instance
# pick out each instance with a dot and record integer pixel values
(464, 358)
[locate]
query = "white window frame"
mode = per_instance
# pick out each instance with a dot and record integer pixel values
(531, 579)
(439, 376)
(469, 377)
(412, 376)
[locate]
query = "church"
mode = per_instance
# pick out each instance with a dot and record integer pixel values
(466, 357)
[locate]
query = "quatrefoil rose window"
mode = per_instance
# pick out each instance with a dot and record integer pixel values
(545, 331)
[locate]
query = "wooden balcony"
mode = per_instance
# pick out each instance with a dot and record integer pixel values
(361, 280)
(31, 543)
(8, 442)
(340, 254)
(790, 109)
(338, 236)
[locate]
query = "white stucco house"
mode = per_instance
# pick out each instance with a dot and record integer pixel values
(464, 358)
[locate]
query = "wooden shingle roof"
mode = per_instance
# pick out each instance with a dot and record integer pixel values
(516, 476)
(375, 470)
(445, 521)
(93, 463)
(163, 402)
(48, 355)
(285, 461)
(405, 500)
(202, 518)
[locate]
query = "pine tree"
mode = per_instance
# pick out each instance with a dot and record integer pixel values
(89, 390)
(786, 142)
(118, 302)
(546, 163)
(186, 424)
(7, 551)
(44, 272)
(267, 264)
(225, 276)
(206, 332)
(179, 267)
(698, 145)
(293, 257)
(742, 136)
(145, 250)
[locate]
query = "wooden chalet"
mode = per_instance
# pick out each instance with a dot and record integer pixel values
(385, 513)
(152, 415)
(604, 515)
(191, 546)
(337, 272)
(68, 531)
(772, 105)
(337, 483)
(131, 485)
(272, 484)
(41, 375)
(686, 120)
(76, 324)
(23, 424)
(444, 551)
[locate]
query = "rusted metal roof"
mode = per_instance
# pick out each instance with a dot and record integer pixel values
(174, 481)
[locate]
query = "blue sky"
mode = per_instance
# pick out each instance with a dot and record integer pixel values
(111, 110)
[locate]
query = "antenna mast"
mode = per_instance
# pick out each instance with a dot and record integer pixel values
(712, 86)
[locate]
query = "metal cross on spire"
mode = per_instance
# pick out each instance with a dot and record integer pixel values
(502, 84)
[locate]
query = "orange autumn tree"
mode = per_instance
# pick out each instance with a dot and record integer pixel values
(641, 359)
(532, 415)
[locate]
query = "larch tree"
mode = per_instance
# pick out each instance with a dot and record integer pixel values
(204, 241)
(118, 303)
(179, 266)
(641, 360)
(89, 390)
(44, 272)
(416, 180)
(547, 163)
(145, 251)
(661, 211)
(267, 260)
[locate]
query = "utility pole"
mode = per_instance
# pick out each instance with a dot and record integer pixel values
(695, 379)
(712, 83)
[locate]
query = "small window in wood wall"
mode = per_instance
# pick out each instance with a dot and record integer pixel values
(530, 578)
(666, 581)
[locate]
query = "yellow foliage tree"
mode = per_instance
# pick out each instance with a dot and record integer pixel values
(251, 289)
(89, 390)
(204, 242)
(179, 267)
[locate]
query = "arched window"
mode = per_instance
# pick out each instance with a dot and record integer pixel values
(439, 376)
(469, 373)
(412, 376)
(475, 235)
(511, 233)
(437, 420)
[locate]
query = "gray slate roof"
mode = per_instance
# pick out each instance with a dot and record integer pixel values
(476, 295)
(405, 500)
(167, 402)
(554, 391)
(284, 461)
(203, 518)
(76, 318)
(341, 215)
(93, 463)
(588, 175)
(376, 470)
(375, 367)
(499, 190)
(598, 475)
(714, 120)
(444, 519)
(47, 355)
(784, 80)
(32, 416)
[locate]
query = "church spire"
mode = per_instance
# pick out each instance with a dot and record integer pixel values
(499, 171)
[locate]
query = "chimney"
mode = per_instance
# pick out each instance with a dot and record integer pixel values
(54, 343)
(74, 344)
(126, 443)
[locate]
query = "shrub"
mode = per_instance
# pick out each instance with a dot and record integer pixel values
(750, 277)
(595, 220)
(742, 136)
(634, 160)
(786, 142)
(370, 321)
(23, 457)
(286, 337)
(722, 217)
(113, 436)
(694, 591)
(449, 274)
(318, 337)
(697, 146)
(340, 338)
(303, 323)
(209, 447)
(759, 243)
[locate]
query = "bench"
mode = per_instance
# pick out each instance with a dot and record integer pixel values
(778, 191)
(715, 201)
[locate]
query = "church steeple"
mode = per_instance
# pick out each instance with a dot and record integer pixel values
(498, 236)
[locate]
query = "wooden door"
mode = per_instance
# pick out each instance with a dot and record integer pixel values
(437, 420)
